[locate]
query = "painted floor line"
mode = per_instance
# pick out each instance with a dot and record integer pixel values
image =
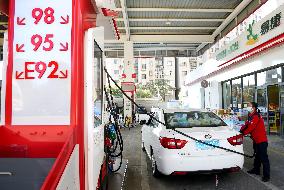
(124, 176)
(267, 184)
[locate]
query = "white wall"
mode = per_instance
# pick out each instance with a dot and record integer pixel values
(213, 95)
(194, 98)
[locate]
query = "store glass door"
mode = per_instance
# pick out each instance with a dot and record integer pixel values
(273, 109)
(261, 99)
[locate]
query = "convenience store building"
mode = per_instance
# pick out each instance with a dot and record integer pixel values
(249, 68)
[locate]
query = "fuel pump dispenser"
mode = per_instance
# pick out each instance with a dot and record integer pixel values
(128, 83)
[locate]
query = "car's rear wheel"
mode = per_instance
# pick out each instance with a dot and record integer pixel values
(155, 171)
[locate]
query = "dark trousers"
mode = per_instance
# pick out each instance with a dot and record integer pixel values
(261, 157)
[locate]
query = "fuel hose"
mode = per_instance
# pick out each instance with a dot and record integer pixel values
(114, 133)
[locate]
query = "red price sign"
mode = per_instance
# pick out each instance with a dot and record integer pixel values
(35, 70)
(47, 13)
(42, 42)
(42, 62)
(37, 41)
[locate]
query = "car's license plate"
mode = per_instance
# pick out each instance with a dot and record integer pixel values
(201, 146)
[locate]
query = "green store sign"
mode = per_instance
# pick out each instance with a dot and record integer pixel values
(267, 26)
(270, 24)
(234, 47)
(252, 36)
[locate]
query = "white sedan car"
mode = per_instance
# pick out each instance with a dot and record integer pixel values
(174, 154)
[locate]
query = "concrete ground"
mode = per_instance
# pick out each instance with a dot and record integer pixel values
(139, 175)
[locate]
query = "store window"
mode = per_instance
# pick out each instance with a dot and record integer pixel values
(272, 76)
(236, 94)
(266, 89)
(261, 78)
(248, 90)
(227, 94)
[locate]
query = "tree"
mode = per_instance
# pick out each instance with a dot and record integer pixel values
(143, 93)
(159, 87)
(116, 93)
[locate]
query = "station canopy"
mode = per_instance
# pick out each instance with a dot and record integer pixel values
(176, 27)
(166, 28)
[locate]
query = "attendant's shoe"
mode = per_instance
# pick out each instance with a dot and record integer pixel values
(265, 179)
(253, 171)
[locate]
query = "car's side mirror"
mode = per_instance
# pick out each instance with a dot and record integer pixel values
(142, 122)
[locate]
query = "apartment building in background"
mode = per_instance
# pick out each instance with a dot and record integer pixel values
(145, 71)
(186, 65)
(151, 69)
(115, 68)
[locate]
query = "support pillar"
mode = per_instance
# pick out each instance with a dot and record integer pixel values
(128, 84)
(177, 79)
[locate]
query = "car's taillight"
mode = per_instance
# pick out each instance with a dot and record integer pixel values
(172, 143)
(236, 140)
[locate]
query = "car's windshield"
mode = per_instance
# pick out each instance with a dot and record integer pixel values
(193, 119)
